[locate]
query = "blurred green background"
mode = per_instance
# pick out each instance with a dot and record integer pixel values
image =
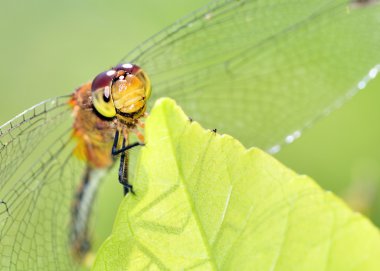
(48, 48)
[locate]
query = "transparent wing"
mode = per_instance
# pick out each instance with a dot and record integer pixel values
(36, 200)
(22, 135)
(264, 70)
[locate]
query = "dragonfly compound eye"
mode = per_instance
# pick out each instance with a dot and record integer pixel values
(130, 90)
(101, 93)
(128, 68)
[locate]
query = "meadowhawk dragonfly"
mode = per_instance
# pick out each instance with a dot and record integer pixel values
(242, 67)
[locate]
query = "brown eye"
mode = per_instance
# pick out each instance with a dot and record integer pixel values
(101, 94)
(128, 68)
(103, 79)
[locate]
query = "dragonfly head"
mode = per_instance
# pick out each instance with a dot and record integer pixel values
(122, 91)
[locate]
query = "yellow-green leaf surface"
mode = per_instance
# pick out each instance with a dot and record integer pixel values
(204, 202)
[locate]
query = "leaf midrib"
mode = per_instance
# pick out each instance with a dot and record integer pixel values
(188, 197)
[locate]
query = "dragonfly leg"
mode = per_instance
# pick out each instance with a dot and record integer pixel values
(139, 135)
(141, 124)
(123, 171)
(124, 159)
(124, 148)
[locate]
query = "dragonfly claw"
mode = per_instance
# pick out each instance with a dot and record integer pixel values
(128, 188)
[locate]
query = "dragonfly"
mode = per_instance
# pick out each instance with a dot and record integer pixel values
(261, 71)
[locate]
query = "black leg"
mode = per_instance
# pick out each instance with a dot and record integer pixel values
(124, 161)
(123, 172)
(124, 148)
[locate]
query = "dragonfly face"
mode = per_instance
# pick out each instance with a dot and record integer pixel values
(122, 92)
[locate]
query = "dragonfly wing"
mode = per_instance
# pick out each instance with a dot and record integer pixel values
(35, 213)
(263, 71)
(20, 136)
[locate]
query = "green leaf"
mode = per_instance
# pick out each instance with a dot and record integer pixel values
(204, 202)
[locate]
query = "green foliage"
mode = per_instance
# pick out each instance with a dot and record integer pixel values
(203, 202)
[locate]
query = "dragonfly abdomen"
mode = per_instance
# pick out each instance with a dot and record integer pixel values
(94, 136)
(80, 213)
